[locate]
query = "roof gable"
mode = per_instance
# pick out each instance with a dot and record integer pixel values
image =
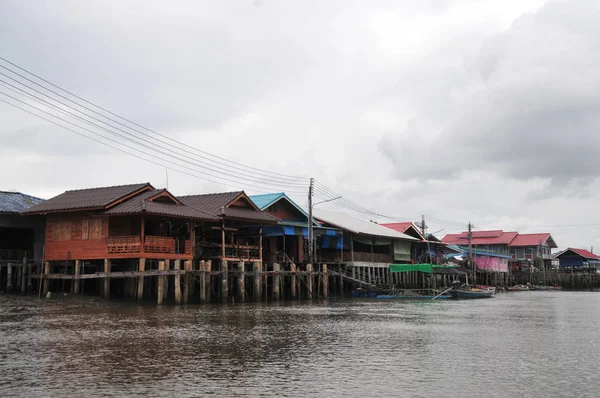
(89, 199)
(235, 205)
(579, 252)
(533, 240)
(16, 202)
(407, 228)
(264, 202)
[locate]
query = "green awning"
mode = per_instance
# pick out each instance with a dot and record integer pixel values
(428, 268)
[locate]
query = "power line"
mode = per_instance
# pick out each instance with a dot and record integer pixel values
(259, 189)
(228, 163)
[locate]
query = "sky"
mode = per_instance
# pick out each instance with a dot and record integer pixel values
(460, 110)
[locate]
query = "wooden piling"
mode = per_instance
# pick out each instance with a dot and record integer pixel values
(224, 281)
(46, 280)
(276, 281)
(23, 275)
(293, 281)
(165, 280)
(309, 280)
(76, 280)
(209, 284)
(257, 281)
(9, 283)
(202, 281)
(140, 287)
(187, 265)
(325, 281)
(160, 290)
(241, 282)
(29, 274)
(106, 278)
(177, 280)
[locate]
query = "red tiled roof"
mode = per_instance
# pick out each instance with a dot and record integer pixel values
(532, 240)
(402, 227)
(583, 253)
(495, 237)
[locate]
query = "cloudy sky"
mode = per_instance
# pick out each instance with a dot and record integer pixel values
(462, 110)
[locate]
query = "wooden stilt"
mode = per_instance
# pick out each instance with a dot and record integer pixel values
(241, 282)
(325, 281)
(140, 287)
(209, 284)
(24, 275)
(29, 274)
(106, 278)
(293, 281)
(202, 281)
(46, 280)
(166, 280)
(160, 288)
(224, 281)
(177, 280)
(76, 280)
(187, 278)
(257, 281)
(276, 281)
(309, 280)
(9, 277)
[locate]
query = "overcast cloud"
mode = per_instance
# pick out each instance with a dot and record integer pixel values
(469, 110)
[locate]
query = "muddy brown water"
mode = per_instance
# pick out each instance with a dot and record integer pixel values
(518, 344)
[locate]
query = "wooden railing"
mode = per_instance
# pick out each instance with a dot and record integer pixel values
(152, 244)
(368, 257)
(123, 244)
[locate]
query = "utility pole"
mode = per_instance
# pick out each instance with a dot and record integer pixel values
(423, 225)
(543, 264)
(310, 222)
(471, 263)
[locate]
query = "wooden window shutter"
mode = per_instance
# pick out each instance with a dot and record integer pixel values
(54, 230)
(85, 229)
(96, 229)
(67, 230)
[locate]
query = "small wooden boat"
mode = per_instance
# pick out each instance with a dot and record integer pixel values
(545, 287)
(518, 288)
(473, 293)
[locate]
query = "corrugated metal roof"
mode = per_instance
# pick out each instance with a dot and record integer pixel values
(141, 204)
(16, 202)
(266, 200)
(532, 240)
(403, 227)
(495, 237)
(581, 252)
(357, 225)
(91, 198)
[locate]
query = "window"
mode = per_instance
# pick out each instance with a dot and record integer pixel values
(91, 229)
(61, 230)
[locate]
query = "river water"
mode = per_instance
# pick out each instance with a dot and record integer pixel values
(524, 343)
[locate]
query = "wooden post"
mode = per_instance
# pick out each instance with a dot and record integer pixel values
(187, 265)
(309, 280)
(223, 253)
(165, 279)
(29, 273)
(140, 288)
(260, 246)
(202, 281)
(325, 281)
(276, 281)
(177, 280)
(209, 285)
(241, 282)
(24, 275)
(224, 281)
(257, 280)
(46, 280)
(106, 278)
(76, 280)
(160, 291)
(319, 275)
(293, 281)
(9, 284)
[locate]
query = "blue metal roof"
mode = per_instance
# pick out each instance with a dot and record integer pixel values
(15, 202)
(264, 201)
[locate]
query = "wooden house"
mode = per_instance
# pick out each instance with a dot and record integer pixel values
(427, 248)
(578, 259)
(20, 237)
(286, 242)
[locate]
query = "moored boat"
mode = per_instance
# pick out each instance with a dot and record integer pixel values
(474, 293)
(518, 288)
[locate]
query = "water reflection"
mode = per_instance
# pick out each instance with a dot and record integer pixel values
(543, 343)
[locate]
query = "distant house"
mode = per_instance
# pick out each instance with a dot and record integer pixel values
(519, 248)
(20, 236)
(427, 249)
(577, 258)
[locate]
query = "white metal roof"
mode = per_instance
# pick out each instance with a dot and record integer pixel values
(357, 225)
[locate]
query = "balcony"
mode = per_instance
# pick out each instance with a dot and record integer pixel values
(132, 244)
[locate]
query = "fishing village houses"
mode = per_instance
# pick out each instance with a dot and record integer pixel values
(141, 243)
